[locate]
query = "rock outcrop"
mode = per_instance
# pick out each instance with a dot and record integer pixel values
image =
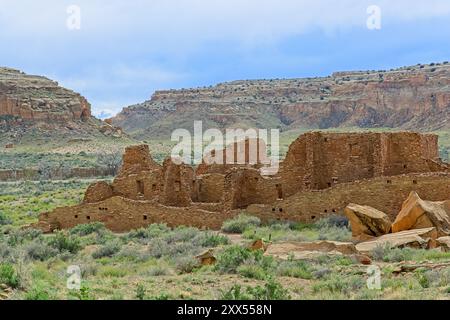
(367, 222)
(416, 97)
(418, 238)
(36, 98)
(417, 213)
(38, 108)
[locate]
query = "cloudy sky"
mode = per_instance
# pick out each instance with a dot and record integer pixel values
(125, 50)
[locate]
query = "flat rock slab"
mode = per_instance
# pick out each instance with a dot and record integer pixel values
(309, 250)
(419, 238)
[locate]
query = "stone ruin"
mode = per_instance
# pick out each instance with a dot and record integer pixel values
(321, 174)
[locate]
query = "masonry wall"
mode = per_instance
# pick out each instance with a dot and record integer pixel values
(318, 160)
(383, 193)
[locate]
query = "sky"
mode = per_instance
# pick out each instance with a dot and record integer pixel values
(117, 53)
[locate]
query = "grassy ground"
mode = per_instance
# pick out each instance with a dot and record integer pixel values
(158, 262)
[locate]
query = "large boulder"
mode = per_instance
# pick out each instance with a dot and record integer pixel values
(419, 238)
(367, 222)
(417, 213)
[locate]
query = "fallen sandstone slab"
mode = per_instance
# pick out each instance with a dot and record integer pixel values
(367, 222)
(309, 250)
(417, 214)
(418, 238)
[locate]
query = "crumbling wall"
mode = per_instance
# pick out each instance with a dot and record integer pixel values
(209, 188)
(97, 192)
(178, 184)
(246, 186)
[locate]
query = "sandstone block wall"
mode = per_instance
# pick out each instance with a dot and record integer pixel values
(321, 175)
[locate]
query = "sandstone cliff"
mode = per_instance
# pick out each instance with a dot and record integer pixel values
(37, 107)
(415, 97)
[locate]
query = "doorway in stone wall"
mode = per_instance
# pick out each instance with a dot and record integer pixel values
(279, 191)
(140, 187)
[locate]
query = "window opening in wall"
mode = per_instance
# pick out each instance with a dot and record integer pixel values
(145, 217)
(76, 216)
(88, 217)
(414, 181)
(140, 186)
(279, 191)
(313, 217)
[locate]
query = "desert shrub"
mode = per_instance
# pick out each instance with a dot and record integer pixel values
(186, 264)
(149, 233)
(133, 253)
(65, 243)
(20, 236)
(270, 291)
(235, 256)
(181, 234)
(159, 270)
(336, 283)
(4, 220)
(83, 294)
(208, 239)
(295, 269)
(107, 250)
(5, 252)
(140, 292)
(39, 292)
(433, 278)
(86, 229)
(252, 271)
(113, 272)
(333, 221)
(240, 224)
(40, 250)
(9, 276)
(231, 258)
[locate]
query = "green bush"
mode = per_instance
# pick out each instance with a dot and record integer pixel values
(240, 224)
(39, 250)
(234, 257)
(4, 220)
(231, 258)
(270, 291)
(107, 250)
(9, 276)
(39, 292)
(20, 236)
(86, 229)
(65, 243)
(186, 264)
(295, 269)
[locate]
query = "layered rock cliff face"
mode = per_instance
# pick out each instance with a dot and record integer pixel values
(39, 107)
(415, 97)
(36, 98)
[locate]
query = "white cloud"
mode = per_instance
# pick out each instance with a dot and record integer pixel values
(190, 22)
